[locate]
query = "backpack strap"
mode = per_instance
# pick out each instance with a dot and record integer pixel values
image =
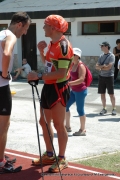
(105, 59)
(84, 66)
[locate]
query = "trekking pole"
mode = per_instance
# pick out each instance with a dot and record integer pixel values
(33, 84)
(48, 131)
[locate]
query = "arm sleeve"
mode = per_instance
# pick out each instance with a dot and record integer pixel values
(112, 59)
(99, 62)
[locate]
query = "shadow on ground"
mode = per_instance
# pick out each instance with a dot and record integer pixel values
(109, 119)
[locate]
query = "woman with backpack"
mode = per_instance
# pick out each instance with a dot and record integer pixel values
(78, 92)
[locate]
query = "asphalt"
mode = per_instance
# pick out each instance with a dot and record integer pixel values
(103, 132)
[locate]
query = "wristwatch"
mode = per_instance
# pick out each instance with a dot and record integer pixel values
(39, 75)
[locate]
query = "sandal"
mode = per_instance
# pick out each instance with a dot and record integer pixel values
(80, 133)
(68, 129)
(9, 168)
(10, 160)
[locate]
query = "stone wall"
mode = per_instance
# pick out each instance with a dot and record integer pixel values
(90, 61)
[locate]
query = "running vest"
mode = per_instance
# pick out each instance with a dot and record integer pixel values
(59, 55)
(3, 35)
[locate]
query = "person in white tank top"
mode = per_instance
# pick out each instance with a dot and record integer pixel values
(19, 25)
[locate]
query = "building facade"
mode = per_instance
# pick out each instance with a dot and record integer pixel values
(89, 25)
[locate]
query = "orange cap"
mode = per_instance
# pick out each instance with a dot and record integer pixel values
(58, 22)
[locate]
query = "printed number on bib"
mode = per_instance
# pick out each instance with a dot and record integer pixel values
(48, 66)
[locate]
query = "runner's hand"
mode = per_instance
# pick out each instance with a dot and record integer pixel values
(8, 77)
(41, 46)
(32, 76)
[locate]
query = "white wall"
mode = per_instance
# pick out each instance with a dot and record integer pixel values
(89, 44)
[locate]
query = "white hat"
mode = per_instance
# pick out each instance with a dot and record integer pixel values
(77, 52)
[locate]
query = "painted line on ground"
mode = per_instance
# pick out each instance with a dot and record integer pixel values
(27, 157)
(73, 167)
(94, 172)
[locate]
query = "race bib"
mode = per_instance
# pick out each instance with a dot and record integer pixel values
(48, 66)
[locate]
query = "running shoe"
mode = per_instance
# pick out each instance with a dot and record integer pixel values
(104, 111)
(114, 112)
(9, 160)
(2, 164)
(62, 165)
(46, 160)
(9, 168)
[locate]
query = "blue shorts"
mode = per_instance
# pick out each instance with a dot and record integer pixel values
(79, 98)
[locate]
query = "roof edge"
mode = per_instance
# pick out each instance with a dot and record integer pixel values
(115, 11)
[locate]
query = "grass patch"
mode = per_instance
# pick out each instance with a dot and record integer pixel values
(109, 162)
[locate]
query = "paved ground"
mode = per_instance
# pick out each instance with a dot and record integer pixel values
(103, 132)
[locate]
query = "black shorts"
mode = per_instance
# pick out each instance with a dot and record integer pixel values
(106, 83)
(5, 101)
(54, 93)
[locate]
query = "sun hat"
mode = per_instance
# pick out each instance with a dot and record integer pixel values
(77, 52)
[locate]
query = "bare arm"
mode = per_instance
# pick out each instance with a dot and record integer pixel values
(7, 45)
(114, 52)
(41, 46)
(119, 67)
(59, 74)
(107, 67)
(42, 57)
(81, 76)
(98, 66)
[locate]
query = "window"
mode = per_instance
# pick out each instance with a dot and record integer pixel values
(104, 27)
(107, 28)
(3, 26)
(91, 28)
(68, 32)
(118, 27)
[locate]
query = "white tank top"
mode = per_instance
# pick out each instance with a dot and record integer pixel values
(3, 35)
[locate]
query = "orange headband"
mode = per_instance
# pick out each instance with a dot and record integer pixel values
(58, 22)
